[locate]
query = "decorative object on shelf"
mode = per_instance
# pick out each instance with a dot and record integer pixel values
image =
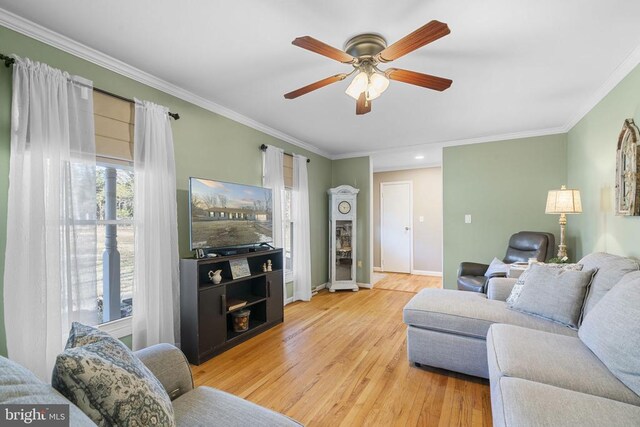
(233, 303)
(627, 176)
(241, 320)
(200, 254)
(215, 276)
(239, 268)
(269, 266)
(563, 201)
(342, 238)
(264, 267)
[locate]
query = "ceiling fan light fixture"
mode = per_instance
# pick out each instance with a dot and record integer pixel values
(379, 81)
(358, 85)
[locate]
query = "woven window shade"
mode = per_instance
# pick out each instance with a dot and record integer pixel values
(114, 128)
(288, 170)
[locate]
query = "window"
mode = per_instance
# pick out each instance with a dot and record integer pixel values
(287, 217)
(287, 234)
(115, 238)
(114, 190)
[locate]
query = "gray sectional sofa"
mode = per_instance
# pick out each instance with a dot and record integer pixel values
(541, 373)
(201, 406)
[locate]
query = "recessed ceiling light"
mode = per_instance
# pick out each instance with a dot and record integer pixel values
(419, 157)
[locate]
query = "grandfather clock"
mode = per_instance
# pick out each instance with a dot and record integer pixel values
(342, 238)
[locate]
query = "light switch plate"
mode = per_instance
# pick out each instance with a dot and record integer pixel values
(421, 218)
(467, 219)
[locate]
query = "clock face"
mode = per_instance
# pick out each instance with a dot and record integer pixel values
(344, 207)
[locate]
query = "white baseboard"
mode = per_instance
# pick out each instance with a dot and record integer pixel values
(426, 273)
(377, 269)
(320, 287)
(365, 285)
(288, 301)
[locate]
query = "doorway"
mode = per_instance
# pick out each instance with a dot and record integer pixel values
(396, 222)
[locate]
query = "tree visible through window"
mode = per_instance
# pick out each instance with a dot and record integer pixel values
(114, 188)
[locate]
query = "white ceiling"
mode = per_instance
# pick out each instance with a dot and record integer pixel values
(518, 68)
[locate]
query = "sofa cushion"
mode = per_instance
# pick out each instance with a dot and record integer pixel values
(522, 403)
(203, 405)
(554, 293)
(611, 268)
(20, 386)
(468, 314)
(612, 331)
(519, 285)
(552, 359)
(108, 382)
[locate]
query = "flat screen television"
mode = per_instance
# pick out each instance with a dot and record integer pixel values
(225, 215)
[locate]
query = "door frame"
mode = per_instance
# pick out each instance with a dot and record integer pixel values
(382, 184)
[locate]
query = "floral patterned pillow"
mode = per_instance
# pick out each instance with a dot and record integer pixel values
(517, 288)
(101, 376)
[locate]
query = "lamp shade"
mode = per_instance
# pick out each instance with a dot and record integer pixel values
(563, 201)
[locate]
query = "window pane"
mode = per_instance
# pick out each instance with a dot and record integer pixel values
(124, 192)
(287, 231)
(121, 239)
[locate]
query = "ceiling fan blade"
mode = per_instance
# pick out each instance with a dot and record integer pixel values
(317, 85)
(321, 48)
(362, 105)
(418, 79)
(420, 37)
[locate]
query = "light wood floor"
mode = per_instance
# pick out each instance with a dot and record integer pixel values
(341, 360)
(407, 282)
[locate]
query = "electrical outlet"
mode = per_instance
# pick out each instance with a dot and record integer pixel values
(421, 218)
(360, 263)
(467, 219)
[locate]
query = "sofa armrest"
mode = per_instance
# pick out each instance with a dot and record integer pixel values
(170, 366)
(472, 269)
(499, 288)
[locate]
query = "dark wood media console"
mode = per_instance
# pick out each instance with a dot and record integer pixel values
(206, 323)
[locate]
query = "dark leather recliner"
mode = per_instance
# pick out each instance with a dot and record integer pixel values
(522, 246)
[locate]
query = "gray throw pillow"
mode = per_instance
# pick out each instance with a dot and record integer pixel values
(612, 332)
(555, 294)
(497, 267)
(517, 287)
(611, 268)
(100, 375)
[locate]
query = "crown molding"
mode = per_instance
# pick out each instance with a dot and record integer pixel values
(66, 44)
(450, 143)
(614, 79)
(38, 32)
(429, 165)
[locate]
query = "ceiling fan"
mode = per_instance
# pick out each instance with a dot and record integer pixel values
(364, 52)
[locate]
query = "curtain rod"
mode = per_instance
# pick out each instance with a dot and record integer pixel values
(9, 61)
(264, 147)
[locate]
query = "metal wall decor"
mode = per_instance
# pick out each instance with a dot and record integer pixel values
(627, 176)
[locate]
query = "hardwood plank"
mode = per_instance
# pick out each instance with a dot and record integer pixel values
(407, 282)
(341, 359)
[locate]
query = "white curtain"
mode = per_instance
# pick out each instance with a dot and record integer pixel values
(50, 259)
(156, 298)
(273, 178)
(301, 247)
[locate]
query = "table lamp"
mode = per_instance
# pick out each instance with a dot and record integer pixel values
(563, 201)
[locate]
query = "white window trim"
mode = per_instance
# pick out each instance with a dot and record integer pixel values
(118, 328)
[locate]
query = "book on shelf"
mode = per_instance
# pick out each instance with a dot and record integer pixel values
(233, 303)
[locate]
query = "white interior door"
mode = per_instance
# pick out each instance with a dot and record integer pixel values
(396, 234)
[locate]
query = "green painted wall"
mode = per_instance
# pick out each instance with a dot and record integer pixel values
(503, 185)
(357, 173)
(591, 149)
(206, 145)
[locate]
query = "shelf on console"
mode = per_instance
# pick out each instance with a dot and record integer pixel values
(231, 334)
(250, 299)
